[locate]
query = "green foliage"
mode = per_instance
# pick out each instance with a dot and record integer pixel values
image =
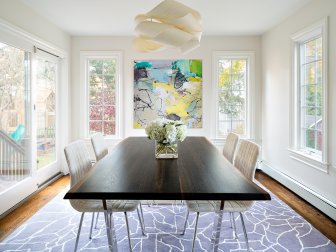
(102, 66)
(232, 74)
(102, 93)
(312, 76)
(101, 79)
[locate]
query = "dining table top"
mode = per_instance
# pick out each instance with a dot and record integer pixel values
(131, 171)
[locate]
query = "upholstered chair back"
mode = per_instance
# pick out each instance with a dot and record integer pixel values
(99, 146)
(78, 159)
(230, 146)
(246, 158)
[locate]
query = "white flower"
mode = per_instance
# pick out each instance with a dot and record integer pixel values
(181, 132)
(170, 133)
(166, 131)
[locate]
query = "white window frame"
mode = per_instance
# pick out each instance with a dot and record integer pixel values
(84, 57)
(250, 88)
(304, 156)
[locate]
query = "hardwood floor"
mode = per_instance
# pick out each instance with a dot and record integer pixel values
(21, 214)
(320, 221)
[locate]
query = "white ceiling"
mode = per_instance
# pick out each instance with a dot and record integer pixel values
(115, 17)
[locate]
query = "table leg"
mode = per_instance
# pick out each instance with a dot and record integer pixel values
(217, 227)
(111, 236)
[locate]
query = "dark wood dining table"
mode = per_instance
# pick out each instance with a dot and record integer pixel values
(131, 171)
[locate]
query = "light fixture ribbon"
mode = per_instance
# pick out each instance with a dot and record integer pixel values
(169, 24)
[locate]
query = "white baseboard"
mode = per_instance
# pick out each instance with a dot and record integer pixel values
(317, 200)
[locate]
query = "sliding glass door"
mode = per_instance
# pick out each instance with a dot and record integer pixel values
(46, 76)
(16, 170)
(28, 120)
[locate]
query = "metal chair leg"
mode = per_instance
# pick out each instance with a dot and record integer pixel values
(93, 215)
(151, 204)
(185, 223)
(111, 219)
(234, 225)
(79, 230)
(142, 225)
(195, 232)
(231, 220)
(97, 220)
(128, 231)
(143, 218)
(244, 229)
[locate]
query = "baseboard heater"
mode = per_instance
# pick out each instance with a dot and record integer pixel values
(317, 200)
(50, 180)
(40, 188)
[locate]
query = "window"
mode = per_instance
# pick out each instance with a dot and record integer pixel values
(102, 82)
(309, 94)
(232, 75)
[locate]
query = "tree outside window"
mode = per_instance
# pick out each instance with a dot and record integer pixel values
(311, 94)
(232, 82)
(12, 74)
(102, 99)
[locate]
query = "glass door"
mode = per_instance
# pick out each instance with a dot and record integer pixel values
(16, 170)
(28, 122)
(46, 77)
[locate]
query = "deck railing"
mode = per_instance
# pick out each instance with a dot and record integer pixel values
(12, 156)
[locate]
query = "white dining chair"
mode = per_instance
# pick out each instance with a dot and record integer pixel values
(99, 146)
(79, 163)
(101, 150)
(230, 146)
(245, 162)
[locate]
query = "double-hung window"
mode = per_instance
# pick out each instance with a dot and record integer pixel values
(309, 96)
(232, 75)
(102, 79)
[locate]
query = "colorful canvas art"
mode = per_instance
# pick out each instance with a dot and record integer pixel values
(168, 88)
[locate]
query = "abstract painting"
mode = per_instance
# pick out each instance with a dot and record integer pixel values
(168, 89)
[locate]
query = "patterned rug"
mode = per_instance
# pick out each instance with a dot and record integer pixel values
(271, 226)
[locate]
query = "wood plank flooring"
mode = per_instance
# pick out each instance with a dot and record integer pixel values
(320, 221)
(21, 214)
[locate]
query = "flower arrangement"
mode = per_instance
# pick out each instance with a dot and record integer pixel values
(166, 131)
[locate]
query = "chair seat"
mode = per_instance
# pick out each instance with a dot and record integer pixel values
(214, 206)
(97, 205)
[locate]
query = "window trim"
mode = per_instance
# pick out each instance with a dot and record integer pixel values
(319, 162)
(84, 57)
(250, 89)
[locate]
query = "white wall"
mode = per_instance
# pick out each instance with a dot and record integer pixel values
(124, 44)
(276, 78)
(18, 14)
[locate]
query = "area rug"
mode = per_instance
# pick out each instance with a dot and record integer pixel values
(271, 226)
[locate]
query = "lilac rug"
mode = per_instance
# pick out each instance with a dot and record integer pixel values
(271, 226)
